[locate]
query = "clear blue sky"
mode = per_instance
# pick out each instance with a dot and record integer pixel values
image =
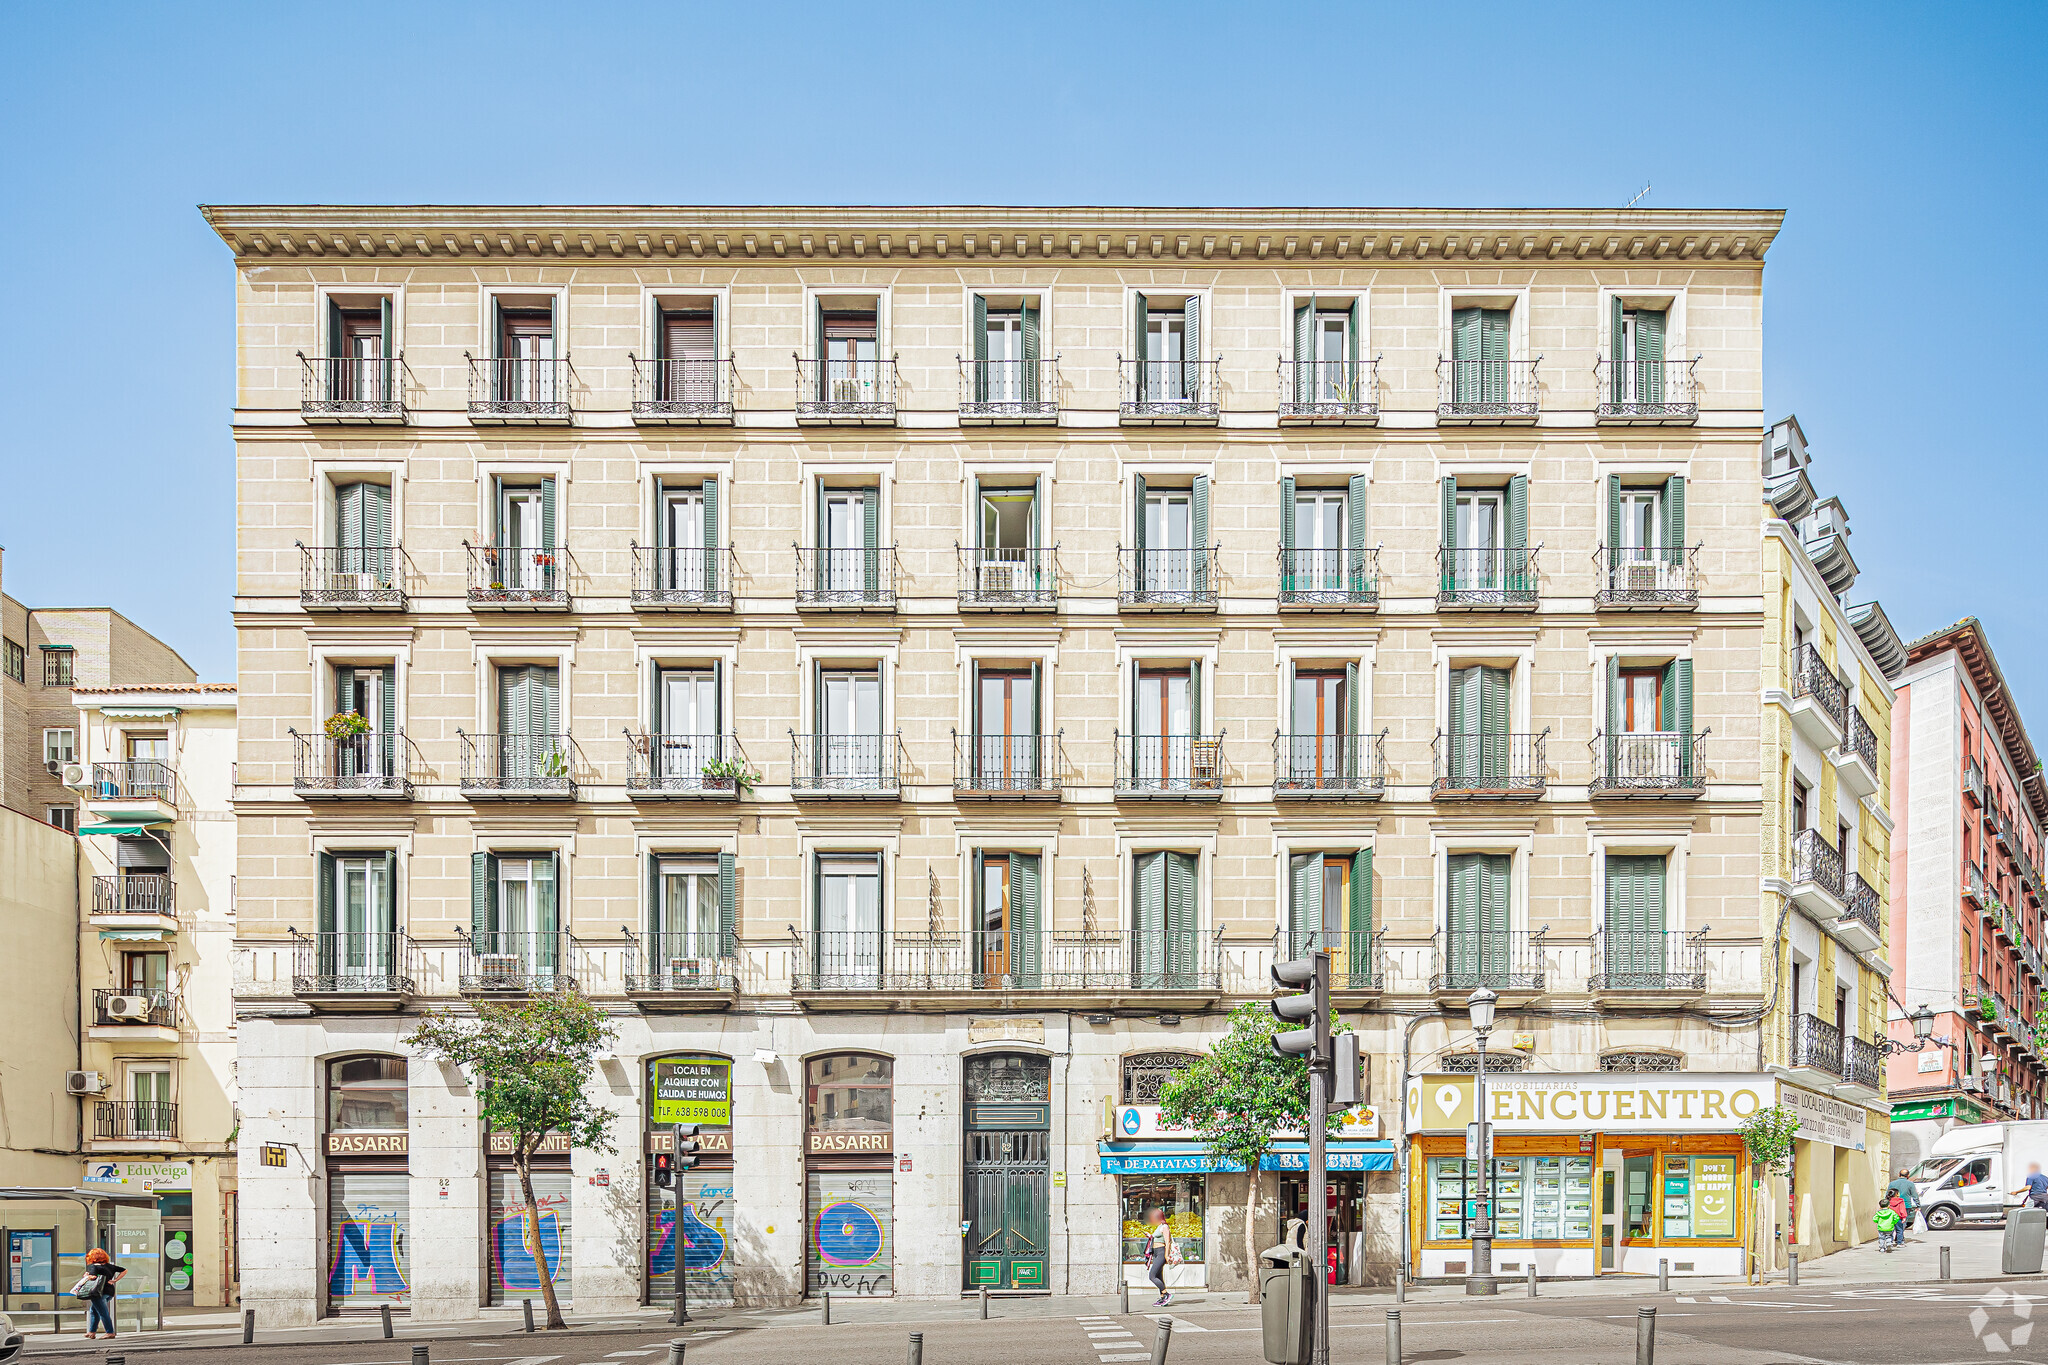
(1905, 142)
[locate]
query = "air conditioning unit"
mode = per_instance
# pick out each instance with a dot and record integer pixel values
(1972, 1084)
(84, 1083)
(77, 776)
(1639, 576)
(128, 1007)
(499, 970)
(999, 580)
(686, 970)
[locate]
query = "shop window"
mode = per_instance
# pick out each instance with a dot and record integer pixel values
(848, 1094)
(1145, 1073)
(1638, 1061)
(1466, 1063)
(366, 1094)
(1536, 1197)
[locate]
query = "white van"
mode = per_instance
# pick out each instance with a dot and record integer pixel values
(1974, 1173)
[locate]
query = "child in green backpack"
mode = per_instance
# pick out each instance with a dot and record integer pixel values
(1888, 1231)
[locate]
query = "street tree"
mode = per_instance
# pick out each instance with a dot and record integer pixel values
(1240, 1096)
(530, 1061)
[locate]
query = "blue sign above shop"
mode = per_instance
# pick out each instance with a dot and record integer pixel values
(1194, 1158)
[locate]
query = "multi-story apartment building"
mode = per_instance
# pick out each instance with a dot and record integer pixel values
(155, 939)
(1967, 934)
(1827, 736)
(918, 667)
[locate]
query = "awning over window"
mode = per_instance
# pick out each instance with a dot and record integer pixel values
(137, 712)
(132, 935)
(125, 828)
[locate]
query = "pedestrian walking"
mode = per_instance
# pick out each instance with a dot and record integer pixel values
(2036, 1186)
(1158, 1248)
(99, 1302)
(1909, 1194)
(1887, 1228)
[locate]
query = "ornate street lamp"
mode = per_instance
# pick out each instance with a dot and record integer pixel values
(1481, 1281)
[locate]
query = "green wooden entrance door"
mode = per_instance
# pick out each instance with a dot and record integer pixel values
(1008, 1193)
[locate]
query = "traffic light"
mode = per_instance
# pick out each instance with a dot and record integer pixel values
(687, 1146)
(664, 1171)
(1310, 975)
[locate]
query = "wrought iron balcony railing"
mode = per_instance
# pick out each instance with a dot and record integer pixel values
(1330, 578)
(518, 575)
(830, 576)
(517, 960)
(1811, 677)
(1020, 766)
(133, 779)
(160, 1008)
(1007, 576)
(519, 389)
(1490, 765)
(995, 960)
(379, 763)
(1634, 576)
(1357, 959)
(1864, 905)
(1973, 781)
(1816, 862)
(1655, 763)
(845, 765)
(1863, 1064)
(1816, 1044)
(854, 391)
(682, 961)
(1492, 576)
(683, 576)
(1329, 764)
(1498, 959)
(1009, 391)
(352, 388)
(135, 893)
(148, 1120)
(1649, 960)
(1167, 390)
(1184, 578)
(364, 576)
(682, 390)
(686, 764)
(1487, 390)
(353, 963)
(1169, 765)
(519, 764)
(1345, 391)
(1860, 740)
(1648, 391)
(1973, 883)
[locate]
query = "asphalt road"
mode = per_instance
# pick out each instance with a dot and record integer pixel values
(1903, 1326)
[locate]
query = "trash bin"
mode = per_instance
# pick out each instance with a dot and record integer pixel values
(2025, 1231)
(1284, 1302)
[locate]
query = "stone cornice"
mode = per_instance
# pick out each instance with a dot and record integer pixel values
(1214, 236)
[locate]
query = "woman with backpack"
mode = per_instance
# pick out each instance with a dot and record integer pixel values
(103, 1275)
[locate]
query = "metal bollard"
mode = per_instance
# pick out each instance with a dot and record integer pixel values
(1792, 1266)
(1663, 1277)
(1944, 1263)
(1646, 1336)
(1400, 1284)
(675, 1351)
(384, 1312)
(248, 1326)
(984, 1303)
(526, 1307)
(828, 1308)
(1532, 1279)
(917, 1348)
(1393, 1336)
(419, 1355)
(1124, 1293)
(1159, 1342)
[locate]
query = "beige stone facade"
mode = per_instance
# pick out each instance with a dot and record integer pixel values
(1540, 431)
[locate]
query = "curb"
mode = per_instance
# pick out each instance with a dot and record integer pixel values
(99, 1350)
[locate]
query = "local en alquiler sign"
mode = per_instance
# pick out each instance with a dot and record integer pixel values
(1823, 1118)
(693, 1090)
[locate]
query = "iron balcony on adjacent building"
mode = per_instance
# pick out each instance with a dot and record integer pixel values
(1856, 771)
(134, 1120)
(1861, 925)
(691, 392)
(519, 390)
(1817, 885)
(127, 894)
(129, 1013)
(1816, 1050)
(1819, 699)
(351, 577)
(337, 390)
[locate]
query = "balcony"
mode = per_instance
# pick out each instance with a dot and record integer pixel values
(1489, 767)
(519, 391)
(135, 900)
(890, 969)
(518, 577)
(851, 767)
(1007, 578)
(1008, 767)
(1657, 765)
(1167, 580)
(1650, 393)
(1856, 760)
(1330, 392)
(1973, 782)
(375, 766)
(1013, 393)
(351, 577)
(1973, 885)
(682, 972)
(134, 1016)
(1498, 578)
(1816, 1053)
(832, 578)
(1167, 393)
(846, 393)
(519, 767)
(1487, 392)
(1819, 701)
(1647, 967)
(1358, 961)
(682, 393)
(683, 767)
(1861, 926)
(349, 390)
(1862, 1070)
(1635, 579)
(139, 791)
(1329, 766)
(1817, 885)
(1509, 962)
(149, 1121)
(508, 962)
(1330, 579)
(686, 578)
(354, 972)
(1169, 767)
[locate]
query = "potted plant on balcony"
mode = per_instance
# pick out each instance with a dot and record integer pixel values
(554, 764)
(729, 774)
(346, 725)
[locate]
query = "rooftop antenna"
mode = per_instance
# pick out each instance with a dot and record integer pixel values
(1639, 196)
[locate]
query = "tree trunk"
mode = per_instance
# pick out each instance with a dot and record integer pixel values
(524, 1160)
(1251, 1234)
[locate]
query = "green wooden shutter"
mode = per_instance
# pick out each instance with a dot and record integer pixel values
(1183, 951)
(1461, 917)
(549, 680)
(483, 896)
(1606, 761)
(334, 342)
(1495, 917)
(1024, 920)
(348, 519)
(1613, 521)
(1148, 929)
(1041, 517)
(326, 894)
(728, 922)
(1650, 355)
(1304, 353)
(547, 513)
(1449, 568)
(344, 688)
(1195, 697)
(1360, 925)
(1493, 355)
(389, 347)
(387, 718)
(1465, 739)
(713, 561)
(1138, 519)
(389, 904)
(1515, 573)
(377, 535)
(822, 351)
(1191, 334)
(1674, 520)
(1354, 349)
(1305, 902)
(1351, 698)
(1198, 580)
(1287, 518)
(1466, 355)
(1137, 688)
(1617, 347)
(511, 700)
(980, 338)
(870, 540)
(1028, 320)
(1497, 745)
(1678, 704)
(657, 927)
(1354, 529)
(1138, 348)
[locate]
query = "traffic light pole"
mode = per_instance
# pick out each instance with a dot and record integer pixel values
(1318, 1163)
(682, 1311)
